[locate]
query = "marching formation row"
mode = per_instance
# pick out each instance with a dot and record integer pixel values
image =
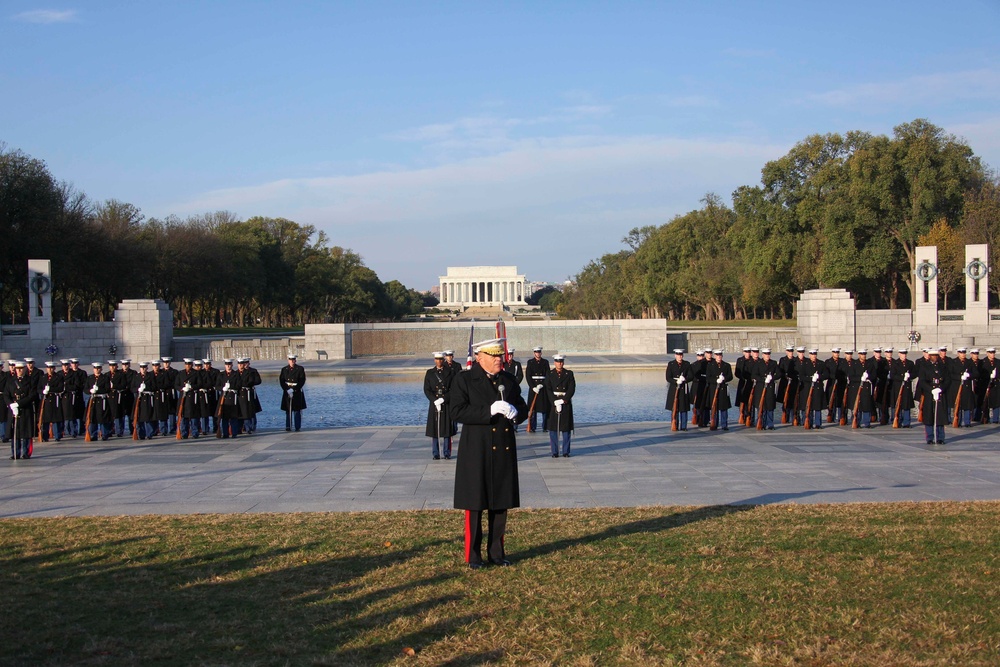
(863, 391)
(155, 400)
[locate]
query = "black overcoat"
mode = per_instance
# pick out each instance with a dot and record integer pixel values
(762, 388)
(718, 392)
(437, 384)
(560, 385)
(19, 391)
(674, 371)
(298, 376)
(536, 372)
(486, 470)
(935, 376)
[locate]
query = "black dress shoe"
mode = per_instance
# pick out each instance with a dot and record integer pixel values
(12, 458)
(437, 458)
(447, 457)
(566, 455)
(500, 562)
(555, 456)
(476, 566)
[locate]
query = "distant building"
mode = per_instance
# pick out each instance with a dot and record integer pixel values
(482, 286)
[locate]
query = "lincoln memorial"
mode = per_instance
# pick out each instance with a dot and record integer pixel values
(482, 286)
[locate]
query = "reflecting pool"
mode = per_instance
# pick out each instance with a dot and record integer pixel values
(398, 399)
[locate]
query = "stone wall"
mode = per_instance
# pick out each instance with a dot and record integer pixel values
(217, 349)
(734, 340)
(339, 341)
(141, 329)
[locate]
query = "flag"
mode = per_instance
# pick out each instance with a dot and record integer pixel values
(468, 361)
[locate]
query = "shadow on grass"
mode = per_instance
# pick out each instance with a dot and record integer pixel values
(141, 601)
(654, 525)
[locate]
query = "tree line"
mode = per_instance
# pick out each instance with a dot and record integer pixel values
(836, 211)
(213, 270)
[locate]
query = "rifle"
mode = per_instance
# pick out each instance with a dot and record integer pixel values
(857, 402)
(713, 422)
(985, 419)
(673, 418)
(795, 402)
(180, 411)
(958, 401)
(784, 402)
(760, 408)
(86, 426)
(899, 400)
(218, 415)
(833, 397)
(531, 410)
(135, 416)
(40, 411)
(809, 398)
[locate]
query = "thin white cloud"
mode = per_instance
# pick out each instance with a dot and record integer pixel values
(980, 84)
(534, 173)
(46, 16)
(581, 194)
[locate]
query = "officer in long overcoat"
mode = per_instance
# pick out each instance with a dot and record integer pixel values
(19, 396)
(766, 374)
(812, 375)
(935, 379)
(560, 387)
(902, 372)
(989, 377)
(718, 375)
(292, 378)
(678, 375)
(437, 388)
(536, 370)
(488, 403)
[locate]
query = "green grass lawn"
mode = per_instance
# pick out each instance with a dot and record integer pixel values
(886, 584)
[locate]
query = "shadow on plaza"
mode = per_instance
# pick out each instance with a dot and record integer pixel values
(140, 598)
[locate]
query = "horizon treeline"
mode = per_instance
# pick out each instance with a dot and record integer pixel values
(213, 269)
(836, 211)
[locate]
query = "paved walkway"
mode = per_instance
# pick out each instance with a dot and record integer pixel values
(629, 464)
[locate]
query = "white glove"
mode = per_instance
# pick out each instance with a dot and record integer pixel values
(559, 402)
(187, 387)
(864, 376)
(681, 379)
(965, 375)
(45, 392)
(537, 388)
(768, 379)
(993, 374)
(906, 376)
(816, 377)
(720, 380)
(225, 387)
(511, 412)
(559, 407)
(439, 402)
(499, 408)
(289, 391)
(292, 384)
(15, 408)
(93, 390)
(936, 393)
(142, 387)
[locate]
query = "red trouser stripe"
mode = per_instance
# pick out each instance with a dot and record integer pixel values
(468, 535)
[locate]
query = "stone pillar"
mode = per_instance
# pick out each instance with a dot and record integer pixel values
(40, 302)
(977, 312)
(925, 301)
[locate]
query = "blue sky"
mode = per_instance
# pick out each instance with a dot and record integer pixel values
(431, 134)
